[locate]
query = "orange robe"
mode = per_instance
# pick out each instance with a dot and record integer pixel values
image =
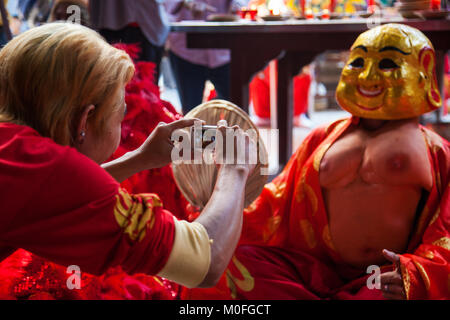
(286, 251)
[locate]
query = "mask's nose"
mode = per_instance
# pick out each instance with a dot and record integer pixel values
(370, 78)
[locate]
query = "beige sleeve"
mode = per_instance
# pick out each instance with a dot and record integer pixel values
(190, 258)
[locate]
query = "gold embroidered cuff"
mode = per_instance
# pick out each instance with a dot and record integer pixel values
(190, 258)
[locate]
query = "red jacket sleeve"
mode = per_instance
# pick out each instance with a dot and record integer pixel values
(78, 215)
(426, 269)
(426, 272)
(262, 218)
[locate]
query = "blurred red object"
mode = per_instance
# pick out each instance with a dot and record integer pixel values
(252, 14)
(243, 13)
(260, 93)
(436, 4)
(246, 13)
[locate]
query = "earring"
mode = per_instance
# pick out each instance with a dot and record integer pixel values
(82, 135)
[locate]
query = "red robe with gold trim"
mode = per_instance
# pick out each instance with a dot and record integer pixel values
(60, 205)
(286, 251)
(27, 276)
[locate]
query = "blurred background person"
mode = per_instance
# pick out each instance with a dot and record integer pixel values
(34, 12)
(15, 21)
(193, 67)
(3, 29)
(139, 21)
(62, 11)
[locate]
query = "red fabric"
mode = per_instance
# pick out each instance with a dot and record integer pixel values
(73, 223)
(301, 93)
(26, 276)
(145, 110)
(260, 93)
(446, 84)
(259, 90)
(212, 95)
(286, 250)
(294, 274)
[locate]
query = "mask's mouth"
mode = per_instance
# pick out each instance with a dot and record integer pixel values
(369, 109)
(370, 93)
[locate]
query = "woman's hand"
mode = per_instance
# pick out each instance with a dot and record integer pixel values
(240, 159)
(391, 282)
(156, 151)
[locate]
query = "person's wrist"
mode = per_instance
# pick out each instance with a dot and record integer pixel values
(138, 161)
(240, 170)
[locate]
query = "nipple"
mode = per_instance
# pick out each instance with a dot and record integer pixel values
(398, 162)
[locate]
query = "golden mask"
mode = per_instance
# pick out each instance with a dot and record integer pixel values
(389, 75)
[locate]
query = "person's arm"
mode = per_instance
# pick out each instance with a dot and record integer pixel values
(202, 249)
(222, 218)
(155, 152)
(76, 214)
(173, 7)
(423, 273)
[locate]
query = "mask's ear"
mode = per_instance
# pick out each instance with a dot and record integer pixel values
(427, 60)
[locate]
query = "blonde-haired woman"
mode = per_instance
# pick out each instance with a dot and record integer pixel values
(61, 105)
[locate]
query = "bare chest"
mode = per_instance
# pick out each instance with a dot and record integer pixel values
(372, 184)
(394, 156)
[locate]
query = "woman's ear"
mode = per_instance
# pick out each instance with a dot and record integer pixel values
(83, 124)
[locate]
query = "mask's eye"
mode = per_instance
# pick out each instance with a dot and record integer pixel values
(387, 64)
(357, 63)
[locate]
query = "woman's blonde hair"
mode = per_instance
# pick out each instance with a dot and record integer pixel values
(50, 74)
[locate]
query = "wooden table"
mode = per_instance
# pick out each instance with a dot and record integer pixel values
(294, 43)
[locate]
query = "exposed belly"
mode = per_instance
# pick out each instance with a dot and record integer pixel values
(367, 218)
(372, 182)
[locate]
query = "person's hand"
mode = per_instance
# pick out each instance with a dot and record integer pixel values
(245, 161)
(198, 8)
(156, 151)
(15, 25)
(391, 282)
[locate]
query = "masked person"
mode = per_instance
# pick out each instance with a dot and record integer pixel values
(361, 193)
